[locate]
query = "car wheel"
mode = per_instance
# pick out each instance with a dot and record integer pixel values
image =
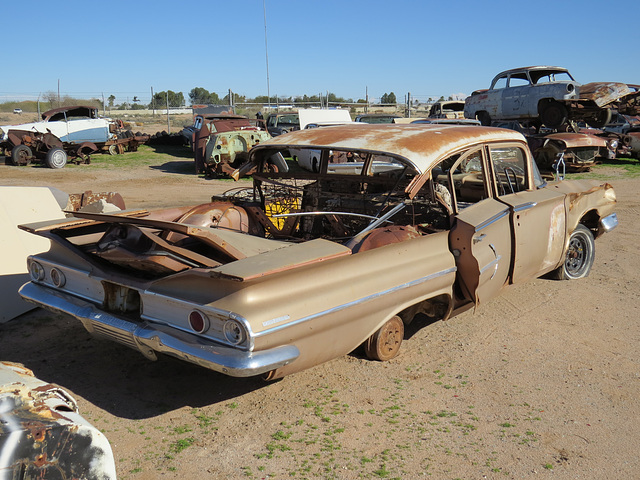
(21, 155)
(484, 118)
(554, 115)
(385, 343)
(579, 257)
(601, 119)
(56, 158)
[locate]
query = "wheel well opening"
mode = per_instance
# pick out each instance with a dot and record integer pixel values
(425, 313)
(591, 220)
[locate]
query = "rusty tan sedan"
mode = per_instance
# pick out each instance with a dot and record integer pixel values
(307, 266)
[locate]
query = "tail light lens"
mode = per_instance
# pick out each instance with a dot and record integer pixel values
(198, 321)
(58, 278)
(234, 332)
(36, 271)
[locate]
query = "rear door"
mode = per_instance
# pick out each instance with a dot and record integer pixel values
(537, 215)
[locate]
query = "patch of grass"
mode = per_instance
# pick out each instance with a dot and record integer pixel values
(629, 167)
(182, 429)
(179, 445)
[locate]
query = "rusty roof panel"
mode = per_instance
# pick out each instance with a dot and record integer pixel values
(419, 144)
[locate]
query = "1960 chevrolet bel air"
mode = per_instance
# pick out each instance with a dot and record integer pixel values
(306, 266)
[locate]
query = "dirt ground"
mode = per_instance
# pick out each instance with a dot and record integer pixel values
(542, 382)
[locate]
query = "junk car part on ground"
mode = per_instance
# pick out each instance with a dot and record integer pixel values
(42, 435)
(550, 96)
(304, 267)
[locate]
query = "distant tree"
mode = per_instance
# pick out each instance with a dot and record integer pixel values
(236, 99)
(135, 99)
(51, 97)
(259, 99)
(176, 99)
(199, 96)
(111, 99)
(388, 98)
(361, 100)
(441, 99)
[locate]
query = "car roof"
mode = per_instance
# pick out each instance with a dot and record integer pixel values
(535, 67)
(419, 145)
(79, 108)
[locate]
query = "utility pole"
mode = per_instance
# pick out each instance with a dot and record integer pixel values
(168, 122)
(266, 51)
(366, 97)
(153, 103)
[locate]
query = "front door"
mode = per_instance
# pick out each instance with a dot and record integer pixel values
(480, 236)
(537, 216)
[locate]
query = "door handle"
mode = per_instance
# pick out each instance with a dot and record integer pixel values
(479, 238)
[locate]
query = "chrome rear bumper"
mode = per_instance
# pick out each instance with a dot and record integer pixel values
(150, 338)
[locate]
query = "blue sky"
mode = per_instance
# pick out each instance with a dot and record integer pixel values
(428, 48)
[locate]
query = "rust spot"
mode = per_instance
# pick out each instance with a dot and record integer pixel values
(41, 460)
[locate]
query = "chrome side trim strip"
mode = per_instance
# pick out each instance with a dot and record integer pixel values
(359, 301)
(525, 206)
(493, 219)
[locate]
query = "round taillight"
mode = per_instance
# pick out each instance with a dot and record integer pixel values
(233, 332)
(198, 321)
(36, 271)
(58, 278)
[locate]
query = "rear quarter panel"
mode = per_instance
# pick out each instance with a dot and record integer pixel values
(328, 309)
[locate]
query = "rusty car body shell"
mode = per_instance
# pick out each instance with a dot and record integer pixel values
(304, 267)
(580, 150)
(42, 435)
(524, 96)
(222, 143)
(78, 130)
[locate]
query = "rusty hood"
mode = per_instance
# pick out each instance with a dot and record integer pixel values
(604, 93)
(576, 140)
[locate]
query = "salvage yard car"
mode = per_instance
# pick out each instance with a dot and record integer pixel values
(551, 96)
(304, 267)
(67, 132)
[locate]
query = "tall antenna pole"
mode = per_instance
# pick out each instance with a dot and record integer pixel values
(266, 51)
